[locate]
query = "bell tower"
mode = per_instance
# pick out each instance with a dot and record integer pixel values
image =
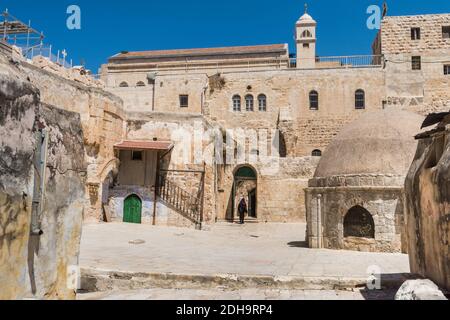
(305, 35)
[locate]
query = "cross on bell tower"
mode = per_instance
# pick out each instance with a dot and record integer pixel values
(306, 41)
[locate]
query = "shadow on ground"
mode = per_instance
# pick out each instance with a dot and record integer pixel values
(298, 244)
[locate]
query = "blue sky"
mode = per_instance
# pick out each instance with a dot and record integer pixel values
(111, 26)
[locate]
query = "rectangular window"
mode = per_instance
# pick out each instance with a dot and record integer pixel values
(184, 101)
(415, 33)
(446, 32)
(447, 69)
(136, 155)
(416, 63)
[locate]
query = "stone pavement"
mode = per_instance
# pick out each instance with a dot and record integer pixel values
(276, 250)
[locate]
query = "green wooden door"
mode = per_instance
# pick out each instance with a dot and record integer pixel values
(132, 210)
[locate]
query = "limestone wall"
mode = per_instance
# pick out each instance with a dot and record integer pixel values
(102, 119)
(37, 266)
(422, 91)
(192, 148)
(19, 105)
(396, 33)
(54, 254)
(427, 208)
(385, 204)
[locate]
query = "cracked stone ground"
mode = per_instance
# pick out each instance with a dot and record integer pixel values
(253, 249)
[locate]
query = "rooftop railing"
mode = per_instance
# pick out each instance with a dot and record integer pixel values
(358, 61)
(58, 57)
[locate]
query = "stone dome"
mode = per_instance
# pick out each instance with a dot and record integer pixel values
(379, 143)
(306, 18)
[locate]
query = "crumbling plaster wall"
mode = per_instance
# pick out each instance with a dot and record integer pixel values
(103, 123)
(19, 106)
(52, 255)
(33, 266)
(193, 150)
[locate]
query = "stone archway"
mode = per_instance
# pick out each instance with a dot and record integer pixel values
(245, 185)
(359, 223)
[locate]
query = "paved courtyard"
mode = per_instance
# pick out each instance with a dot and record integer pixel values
(254, 249)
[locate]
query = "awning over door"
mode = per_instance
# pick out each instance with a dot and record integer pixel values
(145, 145)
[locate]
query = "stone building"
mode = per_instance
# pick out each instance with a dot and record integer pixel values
(427, 203)
(299, 105)
(355, 200)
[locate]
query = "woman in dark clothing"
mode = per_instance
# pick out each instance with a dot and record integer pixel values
(242, 210)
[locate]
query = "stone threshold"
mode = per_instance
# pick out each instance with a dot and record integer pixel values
(96, 280)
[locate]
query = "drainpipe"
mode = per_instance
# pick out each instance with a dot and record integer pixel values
(319, 221)
(39, 182)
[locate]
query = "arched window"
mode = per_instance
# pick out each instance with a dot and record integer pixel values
(314, 100)
(359, 223)
(140, 84)
(249, 103)
(262, 101)
(317, 153)
(237, 103)
(306, 34)
(123, 84)
(360, 99)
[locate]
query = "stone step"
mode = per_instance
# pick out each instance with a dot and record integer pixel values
(94, 280)
(247, 220)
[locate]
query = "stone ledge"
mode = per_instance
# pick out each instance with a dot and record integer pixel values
(96, 280)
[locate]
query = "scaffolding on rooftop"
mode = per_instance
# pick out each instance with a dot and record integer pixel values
(29, 40)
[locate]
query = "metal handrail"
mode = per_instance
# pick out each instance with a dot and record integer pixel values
(183, 202)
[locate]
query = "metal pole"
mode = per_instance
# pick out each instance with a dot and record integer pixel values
(5, 24)
(28, 34)
(155, 194)
(319, 222)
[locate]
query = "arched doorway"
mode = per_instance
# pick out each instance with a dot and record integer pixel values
(359, 223)
(132, 210)
(245, 186)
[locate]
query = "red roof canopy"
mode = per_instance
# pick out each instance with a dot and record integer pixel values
(145, 145)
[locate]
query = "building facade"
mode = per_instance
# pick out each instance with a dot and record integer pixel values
(294, 108)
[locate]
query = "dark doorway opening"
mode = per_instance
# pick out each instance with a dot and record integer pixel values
(359, 223)
(245, 186)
